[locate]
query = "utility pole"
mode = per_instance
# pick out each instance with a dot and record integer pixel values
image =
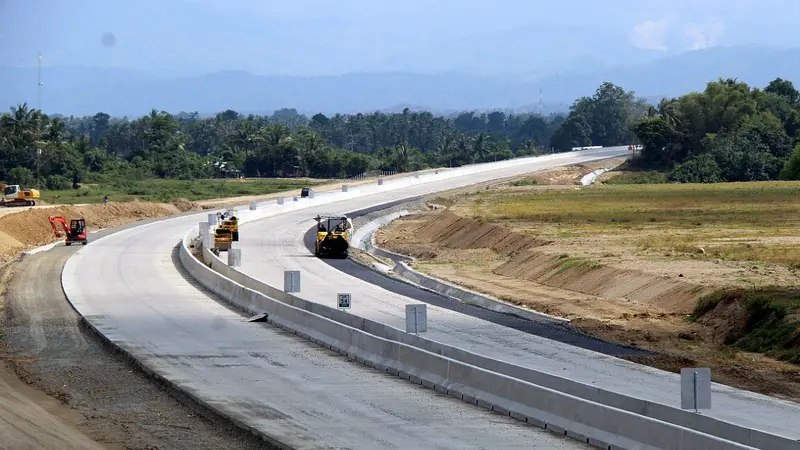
(39, 82)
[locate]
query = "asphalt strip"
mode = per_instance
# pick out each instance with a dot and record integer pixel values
(565, 333)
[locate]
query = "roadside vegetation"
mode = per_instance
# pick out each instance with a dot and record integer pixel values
(728, 132)
(770, 320)
(59, 153)
(167, 190)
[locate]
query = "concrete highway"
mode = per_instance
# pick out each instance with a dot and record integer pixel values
(129, 285)
(275, 244)
(115, 404)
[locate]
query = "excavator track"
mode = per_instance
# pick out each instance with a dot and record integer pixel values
(18, 204)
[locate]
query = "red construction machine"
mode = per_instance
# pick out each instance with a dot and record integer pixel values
(74, 231)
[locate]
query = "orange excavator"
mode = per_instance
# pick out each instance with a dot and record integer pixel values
(75, 231)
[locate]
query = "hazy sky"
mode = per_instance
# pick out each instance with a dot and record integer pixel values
(313, 37)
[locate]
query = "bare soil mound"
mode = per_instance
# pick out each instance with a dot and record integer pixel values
(588, 277)
(526, 260)
(31, 228)
(453, 231)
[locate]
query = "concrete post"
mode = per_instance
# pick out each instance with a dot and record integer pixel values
(235, 257)
(253, 206)
(280, 200)
(416, 318)
(291, 281)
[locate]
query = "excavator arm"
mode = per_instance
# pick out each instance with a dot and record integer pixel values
(53, 220)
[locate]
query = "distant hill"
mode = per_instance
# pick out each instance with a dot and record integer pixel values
(80, 90)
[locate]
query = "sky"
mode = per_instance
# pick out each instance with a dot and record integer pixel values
(330, 37)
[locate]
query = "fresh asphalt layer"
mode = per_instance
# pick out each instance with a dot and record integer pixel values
(563, 333)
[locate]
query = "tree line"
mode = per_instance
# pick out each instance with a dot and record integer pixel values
(728, 132)
(56, 152)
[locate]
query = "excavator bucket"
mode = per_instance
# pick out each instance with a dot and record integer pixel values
(53, 220)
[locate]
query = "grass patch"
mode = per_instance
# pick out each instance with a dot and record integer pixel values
(667, 217)
(567, 263)
(162, 190)
(524, 182)
(773, 320)
(647, 177)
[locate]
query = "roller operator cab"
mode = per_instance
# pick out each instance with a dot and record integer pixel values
(333, 236)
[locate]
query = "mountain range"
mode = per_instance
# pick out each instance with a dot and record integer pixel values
(82, 90)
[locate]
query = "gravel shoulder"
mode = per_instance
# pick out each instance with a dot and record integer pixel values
(87, 392)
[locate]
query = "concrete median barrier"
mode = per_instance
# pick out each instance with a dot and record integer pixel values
(657, 411)
(592, 422)
(467, 296)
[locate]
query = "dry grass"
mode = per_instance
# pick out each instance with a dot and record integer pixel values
(732, 221)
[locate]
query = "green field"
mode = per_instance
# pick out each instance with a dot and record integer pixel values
(164, 190)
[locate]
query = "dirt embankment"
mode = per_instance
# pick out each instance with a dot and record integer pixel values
(31, 228)
(636, 307)
(567, 175)
(526, 258)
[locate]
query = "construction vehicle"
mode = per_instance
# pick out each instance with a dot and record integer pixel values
(231, 223)
(75, 231)
(226, 232)
(14, 195)
(333, 236)
(222, 240)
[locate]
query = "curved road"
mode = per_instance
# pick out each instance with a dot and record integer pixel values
(117, 405)
(130, 287)
(272, 245)
(563, 333)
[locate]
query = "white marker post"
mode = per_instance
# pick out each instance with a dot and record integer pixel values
(203, 227)
(696, 388)
(416, 318)
(234, 257)
(291, 281)
(343, 301)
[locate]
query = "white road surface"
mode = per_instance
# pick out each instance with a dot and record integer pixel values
(128, 285)
(272, 245)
